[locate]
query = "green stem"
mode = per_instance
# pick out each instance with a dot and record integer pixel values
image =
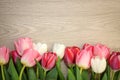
(98, 76)
(113, 73)
(21, 72)
(3, 76)
(45, 74)
(81, 70)
(37, 72)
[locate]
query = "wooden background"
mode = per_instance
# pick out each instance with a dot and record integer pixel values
(71, 22)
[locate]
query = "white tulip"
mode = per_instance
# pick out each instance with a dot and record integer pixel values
(59, 49)
(41, 48)
(98, 64)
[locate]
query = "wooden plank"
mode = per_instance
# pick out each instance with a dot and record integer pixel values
(72, 22)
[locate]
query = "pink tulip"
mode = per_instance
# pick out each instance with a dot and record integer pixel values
(4, 55)
(15, 55)
(22, 44)
(70, 55)
(88, 47)
(29, 57)
(114, 61)
(48, 60)
(102, 51)
(83, 59)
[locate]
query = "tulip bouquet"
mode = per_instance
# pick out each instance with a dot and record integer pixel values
(31, 61)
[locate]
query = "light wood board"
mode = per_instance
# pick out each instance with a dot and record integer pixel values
(71, 22)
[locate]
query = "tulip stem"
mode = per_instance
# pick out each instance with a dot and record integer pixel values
(113, 73)
(21, 72)
(98, 76)
(81, 70)
(3, 76)
(45, 74)
(37, 72)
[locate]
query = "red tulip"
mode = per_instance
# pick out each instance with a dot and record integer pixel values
(29, 57)
(4, 55)
(102, 51)
(48, 60)
(70, 55)
(15, 55)
(83, 59)
(22, 44)
(114, 61)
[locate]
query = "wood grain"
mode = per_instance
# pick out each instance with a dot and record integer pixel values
(72, 22)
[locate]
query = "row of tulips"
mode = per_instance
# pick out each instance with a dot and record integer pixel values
(30, 61)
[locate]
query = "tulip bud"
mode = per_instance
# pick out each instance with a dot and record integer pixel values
(83, 58)
(41, 48)
(88, 47)
(22, 44)
(4, 55)
(102, 51)
(59, 50)
(29, 57)
(98, 64)
(48, 60)
(15, 55)
(114, 60)
(70, 55)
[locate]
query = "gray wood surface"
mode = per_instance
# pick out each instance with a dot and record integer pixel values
(71, 22)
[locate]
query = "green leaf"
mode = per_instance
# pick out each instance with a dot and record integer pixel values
(12, 71)
(31, 74)
(70, 75)
(78, 75)
(116, 75)
(52, 74)
(104, 76)
(40, 71)
(19, 67)
(108, 72)
(7, 77)
(85, 75)
(0, 74)
(58, 66)
(92, 75)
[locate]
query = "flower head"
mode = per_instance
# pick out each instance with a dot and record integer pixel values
(29, 57)
(22, 44)
(114, 61)
(98, 64)
(59, 50)
(102, 51)
(83, 59)
(4, 55)
(15, 55)
(41, 48)
(70, 55)
(48, 60)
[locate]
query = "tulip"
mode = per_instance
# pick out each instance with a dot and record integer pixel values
(22, 44)
(4, 58)
(28, 59)
(59, 50)
(88, 47)
(41, 48)
(83, 59)
(15, 55)
(114, 61)
(70, 55)
(48, 60)
(4, 55)
(98, 64)
(102, 51)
